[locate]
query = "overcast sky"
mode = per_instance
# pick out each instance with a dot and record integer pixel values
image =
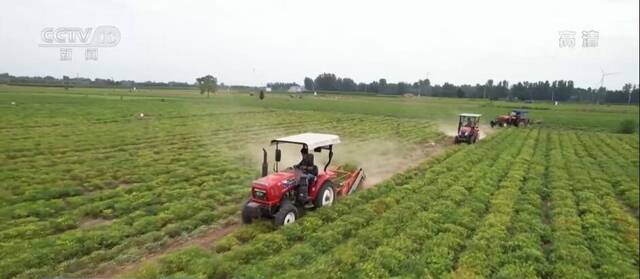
(255, 42)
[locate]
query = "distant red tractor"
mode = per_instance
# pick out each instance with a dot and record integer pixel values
(284, 194)
(468, 128)
(517, 118)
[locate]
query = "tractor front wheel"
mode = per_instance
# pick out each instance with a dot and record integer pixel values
(248, 213)
(326, 195)
(287, 214)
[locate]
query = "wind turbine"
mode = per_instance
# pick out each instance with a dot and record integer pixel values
(605, 75)
(602, 82)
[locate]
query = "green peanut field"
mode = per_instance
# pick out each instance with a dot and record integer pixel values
(108, 183)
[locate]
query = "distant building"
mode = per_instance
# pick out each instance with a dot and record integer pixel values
(295, 89)
(268, 89)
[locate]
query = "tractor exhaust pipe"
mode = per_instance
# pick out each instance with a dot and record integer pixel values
(330, 157)
(265, 165)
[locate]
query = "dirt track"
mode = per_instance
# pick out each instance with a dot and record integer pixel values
(206, 240)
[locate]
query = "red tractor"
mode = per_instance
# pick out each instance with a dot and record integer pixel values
(284, 194)
(468, 128)
(517, 117)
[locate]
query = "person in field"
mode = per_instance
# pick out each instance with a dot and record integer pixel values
(309, 172)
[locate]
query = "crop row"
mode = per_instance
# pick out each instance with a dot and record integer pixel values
(621, 165)
(483, 252)
(569, 255)
(615, 254)
(523, 253)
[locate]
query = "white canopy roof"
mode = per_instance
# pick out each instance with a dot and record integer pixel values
(470, 114)
(312, 140)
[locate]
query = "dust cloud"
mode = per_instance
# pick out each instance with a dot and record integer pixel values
(449, 129)
(486, 130)
(378, 158)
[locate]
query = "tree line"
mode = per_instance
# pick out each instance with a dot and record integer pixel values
(67, 81)
(206, 84)
(557, 90)
(281, 86)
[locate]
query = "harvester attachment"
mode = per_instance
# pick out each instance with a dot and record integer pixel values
(350, 181)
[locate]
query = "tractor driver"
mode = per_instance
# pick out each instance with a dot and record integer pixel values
(309, 172)
(469, 123)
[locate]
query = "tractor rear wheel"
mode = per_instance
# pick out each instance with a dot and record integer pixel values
(326, 195)
(287, 214)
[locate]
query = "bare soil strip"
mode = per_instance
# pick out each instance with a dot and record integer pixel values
(205, 240)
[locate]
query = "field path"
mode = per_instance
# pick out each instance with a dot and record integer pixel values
(205, 240)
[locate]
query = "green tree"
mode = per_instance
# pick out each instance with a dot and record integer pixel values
(382, 85)
(362, 87)
(349, 85)
(308, 84)
(487, 89)
(373, 87)
(423, 86)
(207, 84)
(65, 82)
(326, 81)
(402, 87)
(627, 126)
